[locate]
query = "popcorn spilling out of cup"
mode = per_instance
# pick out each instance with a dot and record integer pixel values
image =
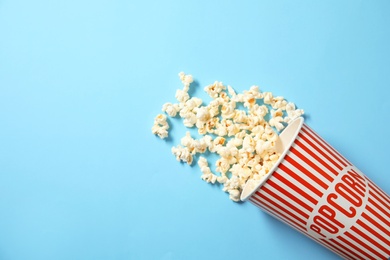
(246, 140)
(270, 157)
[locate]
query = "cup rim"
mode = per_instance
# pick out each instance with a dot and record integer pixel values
(299, 120)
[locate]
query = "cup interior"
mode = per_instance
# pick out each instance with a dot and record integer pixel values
(283, 144)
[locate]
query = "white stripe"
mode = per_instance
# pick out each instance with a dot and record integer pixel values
(303, 176)
(351, 248)
(325, 152)
(328, 146)
(317, 163)
(288, 200)
(368, 243)
(298, 184)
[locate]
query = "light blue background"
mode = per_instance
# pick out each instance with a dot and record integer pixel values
(81, 175)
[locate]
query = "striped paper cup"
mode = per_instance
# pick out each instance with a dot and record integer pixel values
(315, 190)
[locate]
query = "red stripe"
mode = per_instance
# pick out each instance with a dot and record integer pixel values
(379, 191)
(376, 224)
(320, 151)
(357, 248)
(279, 206)
(330, 147)
(353, 252)
(302, 169)
(289, 195)
(380, 201)
(344, 250)
(363, 244)
(294, 187)
(315, 166)
(385, 212)
(297, 177)
(368, 238)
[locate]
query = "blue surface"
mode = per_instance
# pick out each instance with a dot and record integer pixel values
(81, 175)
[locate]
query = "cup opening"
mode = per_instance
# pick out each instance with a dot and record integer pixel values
(286, 139)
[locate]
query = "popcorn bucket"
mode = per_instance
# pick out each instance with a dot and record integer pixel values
(315, 190)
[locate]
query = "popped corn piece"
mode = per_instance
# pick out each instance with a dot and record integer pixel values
(189, 119)
(277, 123)
(238, 98)
(292, 112)
(255, 91)
(214, 89)
(222, 179)
(160, 119)
(202, 130)
(182, 96)
(240, 116)
(200, 146)
(278, 103)
(258, 130)
(185, 79)
(203, 114)
(290, 107)
(260, 111)
(249, 100)
(160, 126)
(219, 141)
(228, 109)
(222, 165)
(248, 144)
(170, 109)
(231, 91)
(207, 175)
(193, 103)
(234, 195)
(160, 131)
(182, 154)
(211, 124)
(207, 139)
(268, 98)
(224, 96)
(189, 142)
(221, 130)
(262, 147)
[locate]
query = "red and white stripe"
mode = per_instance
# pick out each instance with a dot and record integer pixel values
(304, 176)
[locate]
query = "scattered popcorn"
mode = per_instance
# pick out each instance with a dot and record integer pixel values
(160, 126)
(245, 140)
